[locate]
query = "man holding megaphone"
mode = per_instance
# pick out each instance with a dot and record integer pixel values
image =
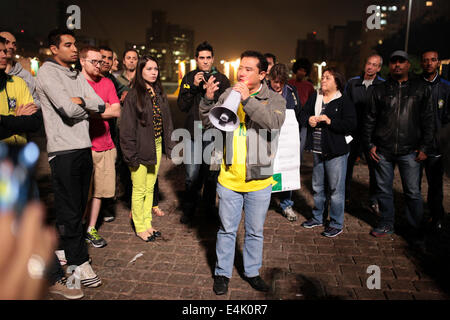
(245, 178)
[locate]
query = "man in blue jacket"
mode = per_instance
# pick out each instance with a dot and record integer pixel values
(359, 90)
(434, 168)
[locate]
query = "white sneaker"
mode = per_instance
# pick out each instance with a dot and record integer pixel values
(61, 257)
(290, 214)
(88, 277)
(61, 288)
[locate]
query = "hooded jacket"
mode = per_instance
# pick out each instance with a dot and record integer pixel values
(19, 71)
(66, 123)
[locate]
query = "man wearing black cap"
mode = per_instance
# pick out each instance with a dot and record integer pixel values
(398, 130)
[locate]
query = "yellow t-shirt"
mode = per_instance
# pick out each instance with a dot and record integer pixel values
(16, 94)
(233, 176)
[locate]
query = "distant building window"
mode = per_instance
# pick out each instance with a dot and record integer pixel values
(383, 8)
(383, 21)
(429, 3)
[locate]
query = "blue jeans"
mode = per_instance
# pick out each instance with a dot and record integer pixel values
(410, 175)
(198, 176)
(329, 177)
(285, 199)
(231, 203)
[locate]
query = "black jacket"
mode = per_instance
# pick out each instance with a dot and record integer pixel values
(342, 114)
(137, 141)
(190, 95)
(359, 94)
(440, 92)
(399, 118)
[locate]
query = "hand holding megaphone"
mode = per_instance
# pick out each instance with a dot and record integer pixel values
(242, 88)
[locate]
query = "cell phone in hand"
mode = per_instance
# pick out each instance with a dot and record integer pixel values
(17, 164)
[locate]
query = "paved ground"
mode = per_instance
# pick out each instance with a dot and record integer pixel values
(299, 263)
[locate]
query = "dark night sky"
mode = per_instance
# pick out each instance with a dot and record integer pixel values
(230, 26)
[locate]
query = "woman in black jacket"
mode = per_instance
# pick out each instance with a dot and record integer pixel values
(145, 127)
(330, 117)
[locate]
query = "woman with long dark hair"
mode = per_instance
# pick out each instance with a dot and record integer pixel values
(330, 117)
(145, 127)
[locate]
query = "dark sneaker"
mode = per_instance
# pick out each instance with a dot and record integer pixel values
(220, 285)
(331, 232)
(311, 224)
(382, 231)
(94, 238)
(258, 283)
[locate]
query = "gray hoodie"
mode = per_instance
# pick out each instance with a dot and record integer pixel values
(66, 123)
(19, 71)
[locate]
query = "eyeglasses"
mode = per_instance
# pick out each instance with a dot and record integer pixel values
(95, 62)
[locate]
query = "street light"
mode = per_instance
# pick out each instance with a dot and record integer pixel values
(407, 26)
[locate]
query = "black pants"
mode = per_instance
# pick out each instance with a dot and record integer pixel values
(71, 175)
(434, 171)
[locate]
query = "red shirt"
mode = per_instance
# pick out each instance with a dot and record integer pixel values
(99, 128)
(304, 89)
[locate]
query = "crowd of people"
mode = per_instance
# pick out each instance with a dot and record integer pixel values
(107, 129)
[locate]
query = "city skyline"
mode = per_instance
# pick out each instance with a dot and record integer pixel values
(231, 28)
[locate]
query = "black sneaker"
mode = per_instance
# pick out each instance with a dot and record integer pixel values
(382, 231)
(220, 285)
(331, 232)
(258, 283)
(186, 219)
(95, 239)
(311, 224)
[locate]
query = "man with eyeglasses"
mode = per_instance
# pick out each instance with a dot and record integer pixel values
(103, 149)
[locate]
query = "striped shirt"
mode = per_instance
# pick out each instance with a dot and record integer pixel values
(317, 134)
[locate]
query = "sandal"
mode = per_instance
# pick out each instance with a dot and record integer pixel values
(155, 234)
(158, 212)
(144, 234)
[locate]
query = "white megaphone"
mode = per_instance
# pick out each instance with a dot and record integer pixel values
(225, 117)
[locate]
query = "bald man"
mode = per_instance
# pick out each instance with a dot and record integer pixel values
(14, 68)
